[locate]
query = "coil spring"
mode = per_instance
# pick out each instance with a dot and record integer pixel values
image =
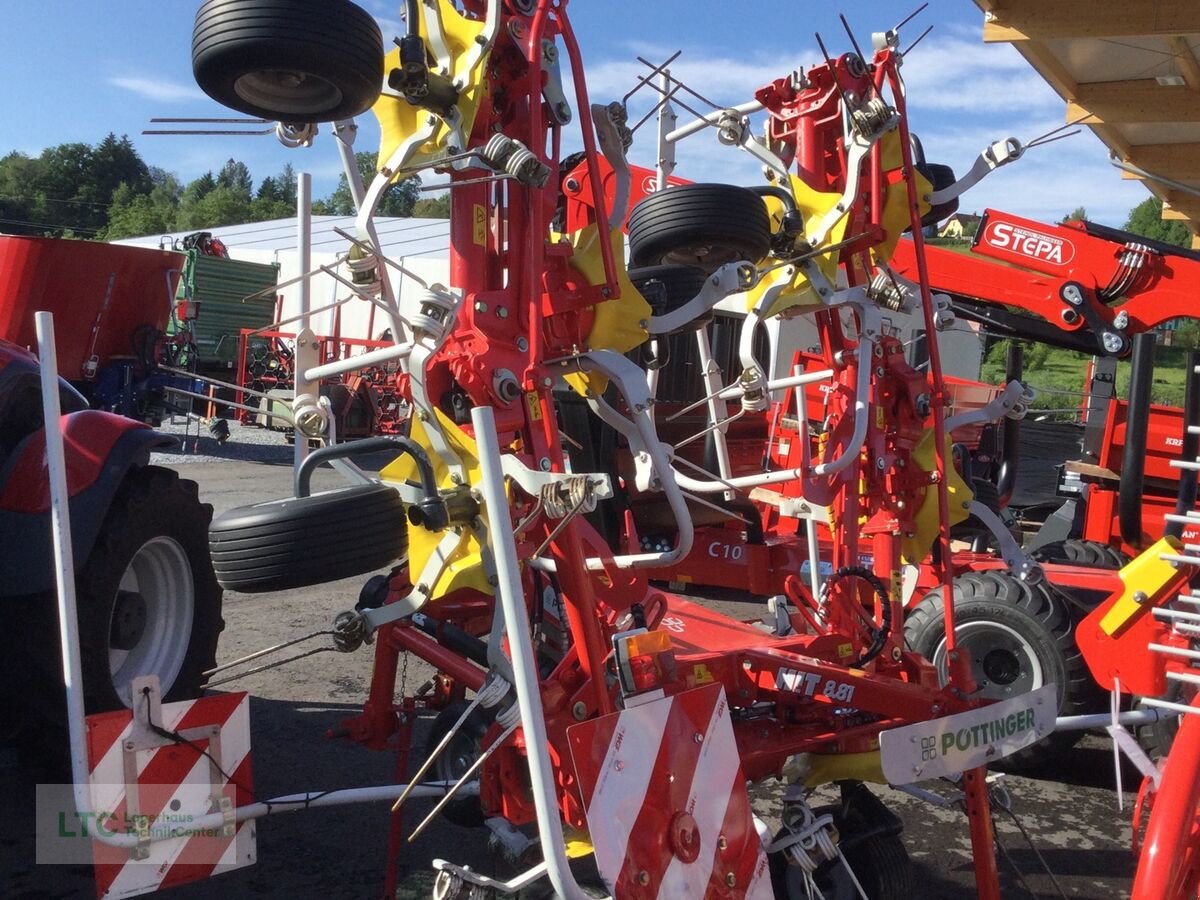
(730, 128)
(886, 292)
(295, 134)
(815, 844)
(434, 313)
(574, 493)
(509, 155)
(364, 268)
(873, 117)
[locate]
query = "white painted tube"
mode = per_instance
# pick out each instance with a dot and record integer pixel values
(64, 561)
(304, 248)
(361, 361)
(525, 672)
(1103, 720)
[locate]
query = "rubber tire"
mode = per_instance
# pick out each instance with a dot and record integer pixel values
(1077, 552)
(1040, 619)
(940, 177)
(986, 493)
(334, 46)
(1156, 739)
(701, 225)
(666, 288)
(881, 864)
(463, 750)
(302, 541)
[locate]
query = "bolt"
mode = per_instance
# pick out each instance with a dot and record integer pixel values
(547, 382)
(480, 306)
(579, 710)
(544, 464)
(730, 879)
(722, 843)
(571, 184)
(643, 877)
(881, 463)
(129, 745)
(502, 312)
(522, 344)
(1140, 597)
(698, 737)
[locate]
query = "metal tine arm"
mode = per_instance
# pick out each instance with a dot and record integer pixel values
(492, 692)
(1174, 707)
(1174, 651)
(1163, 612)
(475, 766)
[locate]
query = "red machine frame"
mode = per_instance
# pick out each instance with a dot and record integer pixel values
(501, 261)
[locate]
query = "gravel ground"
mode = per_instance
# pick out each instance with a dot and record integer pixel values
(246, 443)
(1068, 808)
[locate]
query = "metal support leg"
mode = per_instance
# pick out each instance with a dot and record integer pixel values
(983, 840)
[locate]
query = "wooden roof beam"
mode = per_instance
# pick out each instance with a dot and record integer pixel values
(1178, 161)
(1040, 20)
(1178, 206)
(1185, 61)
(1132, 102)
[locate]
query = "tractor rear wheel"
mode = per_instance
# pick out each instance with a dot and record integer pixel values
(292, 60)
(1020, 638)
(148, 602)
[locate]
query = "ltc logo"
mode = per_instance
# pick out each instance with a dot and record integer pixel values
(1027, 242)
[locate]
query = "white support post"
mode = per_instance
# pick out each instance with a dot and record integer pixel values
(64, 559)
(304, 393)
(525, 671)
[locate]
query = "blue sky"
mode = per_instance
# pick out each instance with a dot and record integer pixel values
(75, 70)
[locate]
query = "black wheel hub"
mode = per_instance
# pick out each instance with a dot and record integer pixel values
(128, 620)
(1001, 666)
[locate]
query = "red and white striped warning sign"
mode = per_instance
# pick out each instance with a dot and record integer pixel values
(143, 781)
(666, 800)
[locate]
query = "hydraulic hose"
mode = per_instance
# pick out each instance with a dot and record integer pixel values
(1133, 457)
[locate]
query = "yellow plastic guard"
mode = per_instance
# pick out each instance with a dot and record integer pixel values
(895, 203)
(465, 568)
(813, 205)
(620, 324)
(916, 548)
(1147, 576)
(825, 768)
(398, 119)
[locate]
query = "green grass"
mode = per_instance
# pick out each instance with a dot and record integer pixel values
(1052, 370)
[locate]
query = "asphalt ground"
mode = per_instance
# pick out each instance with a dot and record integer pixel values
(1068, 808)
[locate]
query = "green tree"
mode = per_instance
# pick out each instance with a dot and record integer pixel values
(1146, 219)
(20, 206)
(221, 206)
(398, 201)
(433, 207)
(1078, 214)
(134, 214)
(276, 196)
(235, 176)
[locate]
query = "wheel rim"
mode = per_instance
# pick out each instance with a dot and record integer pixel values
(1003, 662)
(151, 622)
(288, 90)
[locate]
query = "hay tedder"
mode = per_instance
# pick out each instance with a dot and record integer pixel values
(607, 714)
